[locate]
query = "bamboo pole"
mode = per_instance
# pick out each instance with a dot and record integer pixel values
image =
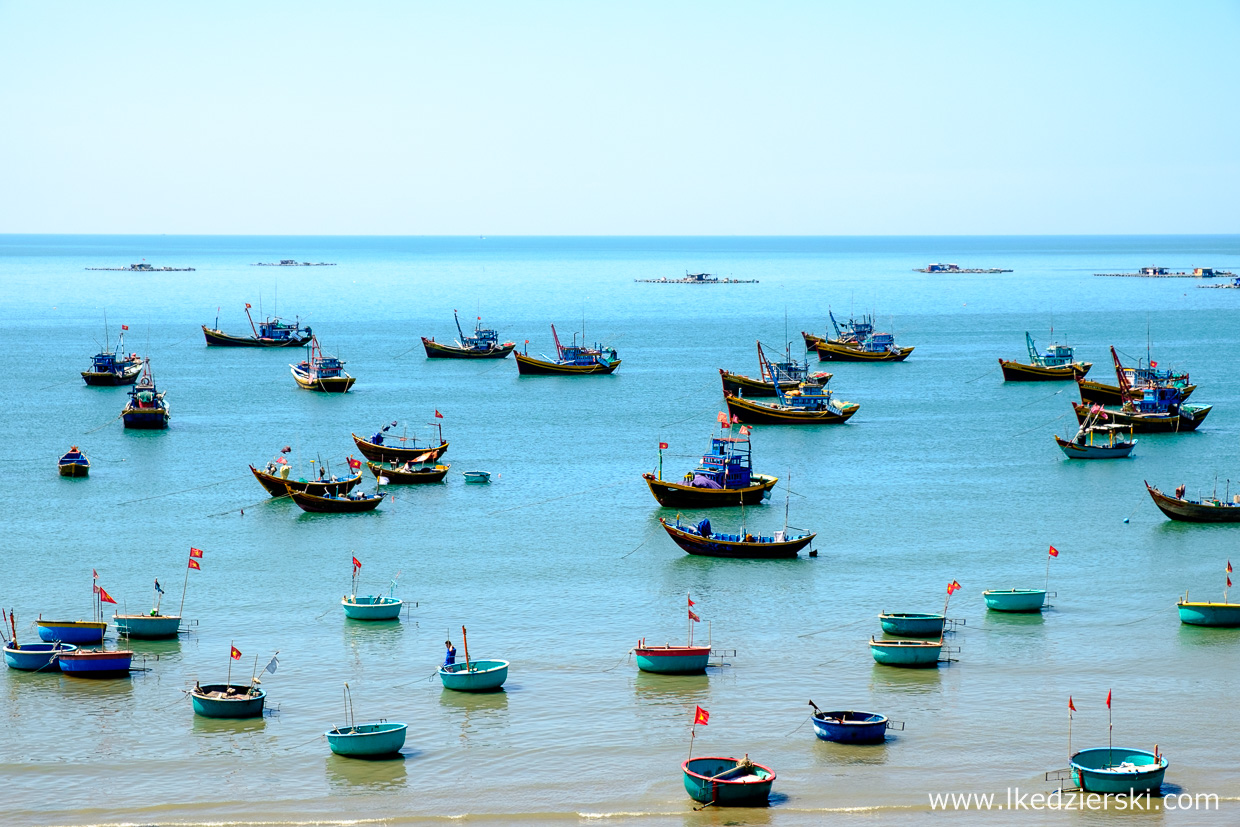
(465, 642)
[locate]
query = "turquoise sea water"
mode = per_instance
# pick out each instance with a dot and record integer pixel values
(560, 566)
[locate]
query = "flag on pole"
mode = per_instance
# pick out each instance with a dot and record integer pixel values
(1229, 567)
(701, 716)
(1071, 705)
(354, 464)
(271, 666)
(235, 653)
(1108, 699)
(383, 481)
(357, 564)
(438, 415)
(1153, 364)
(1229, 582)
(1054, 552)
(745, 431)
(953, 587)
(247, 305)
(690, 599)
(124, 327)
(722, 418)
(194, 564)
(195, 552)
(157, 587)
(287, 449)
(694, 617)
(104, 597)
(662, 446)
(94, 574)
(735, 419)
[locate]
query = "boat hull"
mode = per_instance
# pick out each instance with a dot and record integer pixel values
(734, 383)
(1020, 372)
(1220, 615)
(331, 384)
(277, 486)
(35, 657)
(680, 495)
(1073, 450)
(754, 413)
(148, 627)
(219, 338)
(146, 419)
(372, 608)
(753, 791)
(1090, 773)
(1100, 393)
(672, 660)
(1186, 419)
(112, 380)
(387, 453)
(332, 505)
(1025, 601)
(73, 469)
(438, 350)
(71, 631)
(911, 624)
(483, 676)
(477, 477)
(421, 476)
(812, 340)
(240, 706)
(714, 547)
(917, 654)
(96, 664)
(848, 727)
(829, 351)
(1191, 512)
(529, 366)
(367, 740)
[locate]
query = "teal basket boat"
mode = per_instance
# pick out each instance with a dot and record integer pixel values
(1118, 771)
(1219, 615)
(1015, 600)
(910, 653)
(672, 660)
(367, 740)
(35, 657)
(480, 676)
(148, 627)
(912, 624)
(728, 782)
(375, 607)
(214, 701)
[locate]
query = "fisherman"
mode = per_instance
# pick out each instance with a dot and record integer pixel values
(449, 657)
(377, 439)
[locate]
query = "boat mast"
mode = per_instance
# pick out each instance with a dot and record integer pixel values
(458, 326)
(247, 315)
(559, 350)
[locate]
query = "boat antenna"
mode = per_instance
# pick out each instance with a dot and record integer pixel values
(232, 645)
(106, 336)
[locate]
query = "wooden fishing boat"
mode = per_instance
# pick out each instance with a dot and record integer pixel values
(1118, 770)
(701, 541)
(724, 478)
(912, 624)
(810, 405)
(1015, 600)
(907, 653)
(35, 657)
(84, 632)
(224, 700)
(671, 660)
(849, 726)
(1130, 381)
(408, 473)
(277, 483)
(484, 344)
(1219, 615)
(1100, 393)
(73, 464)
(727, 782)
(320, 372)
(812, 340)
(474, 676)
(477, 477)
(570, 360)
(111, 368)
(1156, 413)
(272, 332)
(147, 409)
(852, 331)
(96, 663)
(1056, 363)
(341, 504)
(377, 449)
(877, 347)
(1184, 510)
(788, 374)
(367, 740)
(1095, 440)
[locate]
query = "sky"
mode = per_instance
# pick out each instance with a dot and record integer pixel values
(620, 118)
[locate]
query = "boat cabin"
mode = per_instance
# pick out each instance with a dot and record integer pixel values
(728, 465)
(280, 331)
(1157, 400)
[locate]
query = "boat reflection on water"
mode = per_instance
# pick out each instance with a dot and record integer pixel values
(678, 690)
(833, 754)
(373, 774)
(906, 681)
(477, 712)
(228, 726)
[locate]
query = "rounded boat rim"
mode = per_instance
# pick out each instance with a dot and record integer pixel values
(685, 767)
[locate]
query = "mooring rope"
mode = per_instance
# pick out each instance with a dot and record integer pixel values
(182, 491)
(803, 723)
(1036, 427)
(983, 376)
(1043, 399)
(561, 497)
(104, 425)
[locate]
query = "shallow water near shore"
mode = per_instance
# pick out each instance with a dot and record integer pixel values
(560, 565)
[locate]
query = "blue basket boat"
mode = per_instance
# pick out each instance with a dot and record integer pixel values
(728, 782)
(71, 631)
(1118, 770)
(912, 624)
(215, 701)
(1015, 600)
(474, 676)
(367, 740)
(1220, 615)
(911, 653)
(672, 660)
(96, 663)
(849, 727)
(35, 657)
(477, 477)
(373, 607)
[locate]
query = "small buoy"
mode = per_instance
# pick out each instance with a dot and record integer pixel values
(243, 514)
(1125, 519)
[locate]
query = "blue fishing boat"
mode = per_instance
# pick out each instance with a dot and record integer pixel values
(477, 477)
(728, 782)
(110, 368)
(1015, 600)
(73, 464)
(474, 676)
(272, 332)
(147, 409)
(701, 541)
(809, 404)
(907, 653)
(788, 374)
(321, 372)
(570, 360)
(912, 624)
(367, 740)
(222, 700)
(1154, 411)
(96, 663)
(1057, 362)
(35, 657)
(484, 344)
(850, 332)
(71, 631)
(849, 726)
(1118, 770)
(725, 477)
(1219, 615)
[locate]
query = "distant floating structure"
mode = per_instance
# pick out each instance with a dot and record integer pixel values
(146, 268)
(1167, 273)
(288, 262)
(956, 268)
(697, 278)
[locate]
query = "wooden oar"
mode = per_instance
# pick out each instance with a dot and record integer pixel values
(465, 641)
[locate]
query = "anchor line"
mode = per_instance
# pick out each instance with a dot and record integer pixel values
(104, 425)
(983, 376)
(1036, 427)
(833, 628)
(299, 746)
(183, 491)
(561, 497)
(1043, 399)
(57, 385)
(798, 729)
(622, 660)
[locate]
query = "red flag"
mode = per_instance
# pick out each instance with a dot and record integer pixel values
(357, 564)
(735, 419)
(1071, 705)
(694, 617)
(286, 449)
(124, 327)
(701, 716)
(94, 589)
(662, 445)
(1229, 567)
(104, 597)
(1153, 364)
(690, 599)
(438, 415)
(722, 418)
(745, 430)
(354, 464)
(1229, 582)
(195, 552)
(235, 653)
(247, 305)
(1108, 699)
(953, 587)
(1054, 552)
(193, 564)
(94, 574)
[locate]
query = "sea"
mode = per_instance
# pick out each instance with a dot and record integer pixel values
(560, 565)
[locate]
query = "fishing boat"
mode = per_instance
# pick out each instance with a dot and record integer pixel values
(852, 331)
(371, 607)
(320, 372)
(272, 332)
(274, 478)
(1159, 410)
(379, 448)
(147, 409)
(1100, 393)
(226, 700)
(849, 726)
(728, 782)
(1118, 770)
(810, 404)
(110, 368)
(484, 344)
(351, 503)
(1095, 440)
(700, 540)
(1015, 600)
(907, 653)
(83, 632)
(724, 478)
(475, 675)
(788, 374)
(1205, 510)
(570, 360)
(153, 625)
(877, 347)
(1056, 363)
(73, 464)
(1220, 615)
(913, 624)
(669, 659)
(408, 473)
(96, 663)
(367, 740)
(477, 477)
(35, 657)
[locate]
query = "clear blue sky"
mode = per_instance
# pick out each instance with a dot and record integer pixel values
(664, 117)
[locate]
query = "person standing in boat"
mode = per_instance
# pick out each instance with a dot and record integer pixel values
(449, 657)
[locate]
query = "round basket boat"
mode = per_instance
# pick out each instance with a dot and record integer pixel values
(148, 627)
(33, 657)
(1118, 771)
(213, 701)
(375, 607)
(481, 676)
(72, 631)
(672, 660)
(916, 653)
(848, 727)
(912, 624)
(1015, 600)
(1221, 615)
(727, 782)
(367, 740)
